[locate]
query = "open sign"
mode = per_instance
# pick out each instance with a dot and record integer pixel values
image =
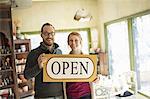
(70, 68)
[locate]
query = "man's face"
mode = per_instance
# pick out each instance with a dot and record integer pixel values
(48, 35)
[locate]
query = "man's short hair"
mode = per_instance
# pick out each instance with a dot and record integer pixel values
(45, 25)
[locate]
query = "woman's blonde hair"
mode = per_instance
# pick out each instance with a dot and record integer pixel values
(74, 33)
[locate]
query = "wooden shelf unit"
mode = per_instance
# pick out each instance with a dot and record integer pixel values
(22, 49)
(102, 63)
(8, 80)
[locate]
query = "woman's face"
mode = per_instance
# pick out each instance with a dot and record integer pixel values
(74, 42)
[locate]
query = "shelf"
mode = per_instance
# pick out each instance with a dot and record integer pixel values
(21, 73)
(28, 93)
(5, 54)
(4, 9)
(29, 82)
(7, 86)
(23, 84)
(20, 64)
(6, 33)
(6, 70)
(5, 19)
(18, 53)
(21, 41)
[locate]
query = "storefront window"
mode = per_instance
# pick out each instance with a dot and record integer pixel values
(141, 32)
(118, 48)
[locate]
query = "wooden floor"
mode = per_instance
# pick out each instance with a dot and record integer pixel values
(130, 97)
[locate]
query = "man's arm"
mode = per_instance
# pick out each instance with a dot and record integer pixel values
(31, 69)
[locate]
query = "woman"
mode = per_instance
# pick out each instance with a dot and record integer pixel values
(77, 90)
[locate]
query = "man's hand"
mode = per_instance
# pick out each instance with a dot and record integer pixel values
(41, 60)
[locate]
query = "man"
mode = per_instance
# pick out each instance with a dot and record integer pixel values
(34, 65)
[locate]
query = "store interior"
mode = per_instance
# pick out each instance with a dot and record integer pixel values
(116, 31)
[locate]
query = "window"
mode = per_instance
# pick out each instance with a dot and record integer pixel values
(118, 48)
(35, 40)
(61, 40)
(123, 57)
(141, 32)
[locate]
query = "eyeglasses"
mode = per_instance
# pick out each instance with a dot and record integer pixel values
(47, 34)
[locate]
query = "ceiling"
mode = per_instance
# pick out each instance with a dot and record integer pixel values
(45, 0)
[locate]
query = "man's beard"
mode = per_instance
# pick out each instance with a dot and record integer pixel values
(48, 43)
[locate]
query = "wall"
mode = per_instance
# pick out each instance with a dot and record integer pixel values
(58, 12)
(61, 12)
(114, 9)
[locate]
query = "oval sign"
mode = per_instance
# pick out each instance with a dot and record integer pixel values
(69, 68)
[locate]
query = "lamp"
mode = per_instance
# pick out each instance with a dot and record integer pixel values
(82, 15)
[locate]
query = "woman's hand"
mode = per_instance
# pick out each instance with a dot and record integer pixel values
(41, 60)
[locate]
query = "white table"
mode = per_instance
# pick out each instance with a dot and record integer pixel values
(105, 88)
